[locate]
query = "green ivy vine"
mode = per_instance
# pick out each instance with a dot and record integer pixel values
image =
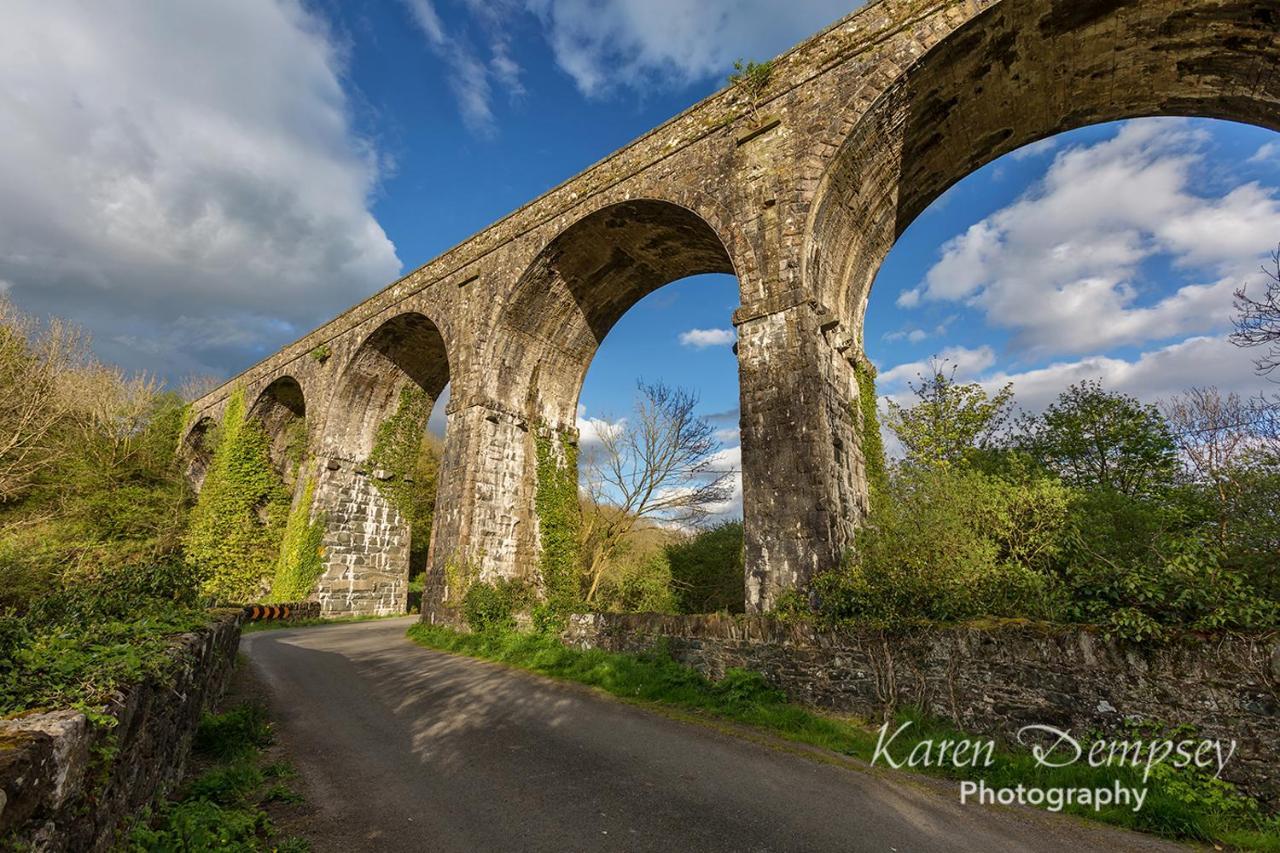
(301, 561)
(559, 519)
(409, 460)
(867, 419)
(233, 539)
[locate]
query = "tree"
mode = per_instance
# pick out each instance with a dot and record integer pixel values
(658, 468)
(1258, 320)
(1097, 439)
(1222, 438)
(949, 420)
(37, 366)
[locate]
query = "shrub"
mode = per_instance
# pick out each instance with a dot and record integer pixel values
(1139, 569)
(493, 606)
(950, 543)
(638, 584)
(706, 570)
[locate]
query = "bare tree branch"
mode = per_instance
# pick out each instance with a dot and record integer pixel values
(1258, 320)
(656, 468)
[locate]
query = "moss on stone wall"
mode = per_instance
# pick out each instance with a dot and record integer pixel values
(559, 519)
(868, 420)
(301, 561)
(233, 540)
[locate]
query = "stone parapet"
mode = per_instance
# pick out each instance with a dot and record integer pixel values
(994, 678)
(67, 784)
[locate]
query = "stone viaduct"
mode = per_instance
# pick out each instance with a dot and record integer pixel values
(799, 190)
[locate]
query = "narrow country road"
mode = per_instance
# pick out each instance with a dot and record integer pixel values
(403, 748)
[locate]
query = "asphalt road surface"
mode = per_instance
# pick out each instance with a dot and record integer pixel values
(403, 748)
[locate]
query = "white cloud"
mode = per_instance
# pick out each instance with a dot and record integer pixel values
(968, 364)
(468, 75)
(1061, 267)
(914, 336)
(909, 298)
(1268, 151)
(182, 160)
(590, 430)
(636, 43)
(1035, 149)
(1154, 375)
(703, 338)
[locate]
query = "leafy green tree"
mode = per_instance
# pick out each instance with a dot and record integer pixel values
(949, 420)
(1099, 439)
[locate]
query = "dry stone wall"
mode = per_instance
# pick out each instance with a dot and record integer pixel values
(991, 680)
(69, 785)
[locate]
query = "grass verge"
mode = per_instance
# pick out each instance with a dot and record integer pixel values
(223, 806)
(1179, 804)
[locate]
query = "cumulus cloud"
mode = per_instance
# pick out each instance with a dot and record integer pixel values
(913, 336)
(909, 298)
(1035, 149)
(591, 429)
(1266, 152)
(968, 364)
(1062, 267)
(636, 43)
(1154, 375)
(183, 177)
(703, 338)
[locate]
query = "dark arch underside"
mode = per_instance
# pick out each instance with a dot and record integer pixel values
(406, 350)
(280, 407)
(1019, 72)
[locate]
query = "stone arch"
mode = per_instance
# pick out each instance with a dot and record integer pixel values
(1018, 72)
(197, 451)
(367, 535)
(406, 350)
(282, 409)
(582, 282)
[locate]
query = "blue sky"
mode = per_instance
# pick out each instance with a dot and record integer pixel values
(199, 184)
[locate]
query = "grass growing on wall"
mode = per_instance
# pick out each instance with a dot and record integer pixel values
(301, 560)
(234, 536)
(1178, 804)
(559, 519)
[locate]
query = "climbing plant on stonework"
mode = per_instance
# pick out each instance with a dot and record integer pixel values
(559, 520)
(409, 459)
(869, 427)
(233, 540)
(301, 561)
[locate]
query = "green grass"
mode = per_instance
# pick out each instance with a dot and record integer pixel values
(222, 807)
(282, 624)
(1178, 805)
